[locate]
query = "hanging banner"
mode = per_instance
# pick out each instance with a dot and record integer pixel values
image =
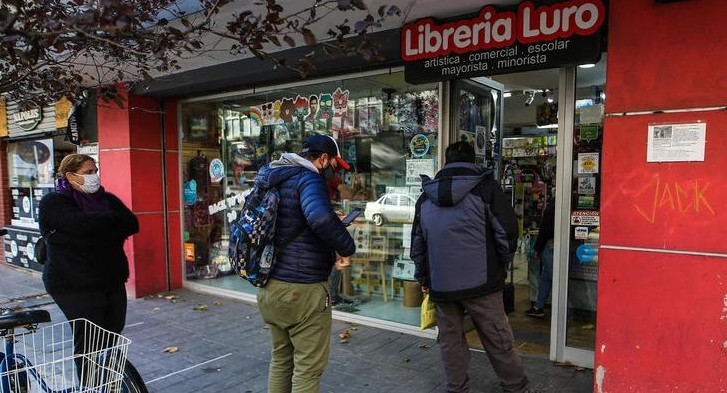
(63, 112)
(72, 131)
(504, 40)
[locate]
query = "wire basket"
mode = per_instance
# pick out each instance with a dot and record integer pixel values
(50, 359)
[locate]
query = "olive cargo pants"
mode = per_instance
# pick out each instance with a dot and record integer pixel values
(299, 316)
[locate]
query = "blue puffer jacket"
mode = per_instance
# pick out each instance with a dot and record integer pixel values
(304, 204)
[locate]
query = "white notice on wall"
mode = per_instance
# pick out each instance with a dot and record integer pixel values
(676, 142)
(414, 168)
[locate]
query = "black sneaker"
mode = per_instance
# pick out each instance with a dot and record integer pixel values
(535, 313)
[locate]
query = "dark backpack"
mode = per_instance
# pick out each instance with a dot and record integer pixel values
(252, 248)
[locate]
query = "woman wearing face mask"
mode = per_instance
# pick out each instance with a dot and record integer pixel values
(86, 268)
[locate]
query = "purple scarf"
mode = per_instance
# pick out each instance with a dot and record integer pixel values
(96, 202)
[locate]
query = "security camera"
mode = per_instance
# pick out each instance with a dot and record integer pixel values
(531, 97)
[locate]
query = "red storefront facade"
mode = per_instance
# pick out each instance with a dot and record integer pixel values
(661, 300)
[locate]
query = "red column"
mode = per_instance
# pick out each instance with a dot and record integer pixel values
(130, 155)
(662, 299)
(5, 198)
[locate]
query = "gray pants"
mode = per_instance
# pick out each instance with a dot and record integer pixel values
(493, 327)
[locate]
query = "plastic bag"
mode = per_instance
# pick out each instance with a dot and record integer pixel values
(429, 316)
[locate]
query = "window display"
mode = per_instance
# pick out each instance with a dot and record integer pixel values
(388, 132)
(32, 164)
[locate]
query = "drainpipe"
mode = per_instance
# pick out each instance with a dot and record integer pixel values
(165, 207)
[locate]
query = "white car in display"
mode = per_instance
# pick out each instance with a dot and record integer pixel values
(391, 207)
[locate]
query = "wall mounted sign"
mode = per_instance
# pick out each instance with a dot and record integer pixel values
(503, 40)
(676, 142)
(28, 115)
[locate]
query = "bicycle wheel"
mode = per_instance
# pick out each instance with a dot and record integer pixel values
(132, 382)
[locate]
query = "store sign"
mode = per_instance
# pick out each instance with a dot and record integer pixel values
(504, 41)
(28, 116)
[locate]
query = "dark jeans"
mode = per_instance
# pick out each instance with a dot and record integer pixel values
(493, 328)
(106, 308)
(334, 285)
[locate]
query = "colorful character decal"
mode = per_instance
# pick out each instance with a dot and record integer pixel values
(301, 108)
(256, 115)
(267, 113)
(286, 110)
(340, 102)
(313, 105)
(326, 107)
(276, 111)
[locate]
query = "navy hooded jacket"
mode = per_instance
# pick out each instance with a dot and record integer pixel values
(464, 233)
(304, 206)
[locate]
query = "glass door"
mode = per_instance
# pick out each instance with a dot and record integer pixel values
(578, 213)
(476, 106)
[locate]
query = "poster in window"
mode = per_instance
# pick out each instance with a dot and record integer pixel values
(587, 185)
(198, 126)
(32, 162)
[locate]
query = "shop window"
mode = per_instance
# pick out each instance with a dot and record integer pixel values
(387, 130)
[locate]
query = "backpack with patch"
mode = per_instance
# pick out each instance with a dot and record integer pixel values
(252, 236)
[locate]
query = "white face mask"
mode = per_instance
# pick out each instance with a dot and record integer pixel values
(91, 183)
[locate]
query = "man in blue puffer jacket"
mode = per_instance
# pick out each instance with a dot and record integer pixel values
(463, 236)
(295, 303)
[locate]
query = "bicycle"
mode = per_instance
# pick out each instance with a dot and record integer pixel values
(43, 359)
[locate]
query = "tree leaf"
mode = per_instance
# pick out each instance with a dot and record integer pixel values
(359, 4)
(382, 10)
(308, 36)
(275, 40)
(289, 40)
(171, 349)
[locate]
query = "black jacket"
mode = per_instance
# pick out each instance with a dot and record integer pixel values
(464, 234)
(86, 251)
(547, 227)
(304, 214)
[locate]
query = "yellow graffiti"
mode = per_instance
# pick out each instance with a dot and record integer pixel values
(675, 197)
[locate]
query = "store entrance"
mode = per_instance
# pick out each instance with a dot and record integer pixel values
(515, 125)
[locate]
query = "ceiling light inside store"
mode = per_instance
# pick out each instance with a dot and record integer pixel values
(507, 94)
(550, 100)
(549, 126)
(591, 65)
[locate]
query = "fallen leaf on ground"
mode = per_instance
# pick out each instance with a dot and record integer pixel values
(580, 368)
(588, 327)
(247, 317)
(407, 360)
(266, 326)
(200, 307)
(171, 349)
(218, 303)
(425, 345)
(156, 309)
(345, 335)
(171, 297)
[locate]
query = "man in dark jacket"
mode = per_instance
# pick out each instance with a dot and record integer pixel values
(295, 303)
(544, 252)
(464, 235)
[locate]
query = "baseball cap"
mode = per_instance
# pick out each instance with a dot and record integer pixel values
(324, 144)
